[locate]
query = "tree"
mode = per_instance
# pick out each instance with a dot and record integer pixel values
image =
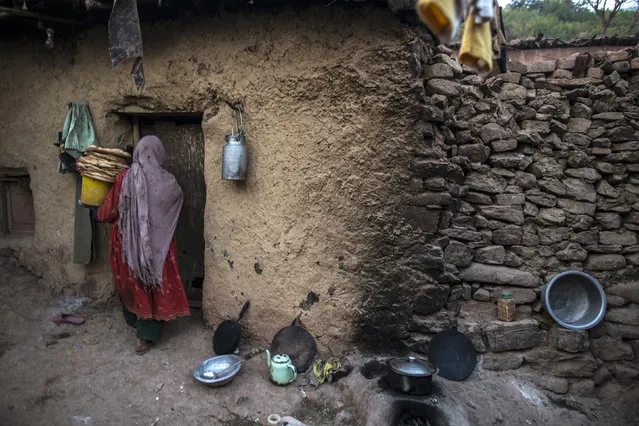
(605, 14)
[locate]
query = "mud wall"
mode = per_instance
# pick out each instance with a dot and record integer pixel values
(330, 111)
(528, 174)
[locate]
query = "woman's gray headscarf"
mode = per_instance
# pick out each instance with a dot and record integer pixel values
(149, 207)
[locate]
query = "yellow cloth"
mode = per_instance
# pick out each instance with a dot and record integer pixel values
(476, 47)
(441, 17)
(321, 370)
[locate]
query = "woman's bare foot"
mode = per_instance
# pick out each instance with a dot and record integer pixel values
(142, 347)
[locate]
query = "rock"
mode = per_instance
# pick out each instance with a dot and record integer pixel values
(431, 168)
(572, 253)
(502, 361)
(580, 189)
(577, 159)
(627, 290)
(585, 388)
(623, 331)
(525, 180)
(580, 110)
(581, 223)
(475, 333)
(443, 87)
(584, 173)
(601, 375)
(451, 62)
(586, 238)
(552, 186)
(628, 315)
(508, 214)
(551, 216)
(513, 260)
(462, 234)
(578, 139)
(612, 79)
(621, 88)
(430, 299)
(482, 295)
(576, 207)
(509, 336)
(510, 199)
(518, 67)
(542, 67)
(549, 236)
(510, 160)
(539, 198)
(557, 128)
(507, 235)
(433, 323)
(621, 133)
(492, 255)
(594, 73)
(476, 153)
(530, 209)
(546, 167)
(422, 218)
(490, 274)
(573, 341)
(478, 198)
(625, 373)
(431, 199)
(541, 127)
(510, 91)
(624, 238)
(579, 125)
(605, 262)
(609, 348)
(605, 189)
(616, 302)
(609, 116)
(438, 71)
(493, 132)
(458, 254)
(561, 364)
(486, 182)
(504, 145)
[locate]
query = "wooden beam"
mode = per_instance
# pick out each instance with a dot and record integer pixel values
(38, 16)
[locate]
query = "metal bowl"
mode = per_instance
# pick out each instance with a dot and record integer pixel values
(575, 300)
(216, 365)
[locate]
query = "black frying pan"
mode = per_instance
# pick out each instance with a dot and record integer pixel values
(227, 335)
(453, 353)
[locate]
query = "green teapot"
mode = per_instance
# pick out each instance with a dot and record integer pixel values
(281, 368)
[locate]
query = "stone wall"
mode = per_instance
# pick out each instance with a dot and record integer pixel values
(528, 174)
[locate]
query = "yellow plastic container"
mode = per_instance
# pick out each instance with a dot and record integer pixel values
(94, 191)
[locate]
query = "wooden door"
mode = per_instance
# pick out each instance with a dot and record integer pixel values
(184, 146)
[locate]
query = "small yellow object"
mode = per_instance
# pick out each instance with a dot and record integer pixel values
(476, 47)
(321, 370)
(94, 191)
(440, 16)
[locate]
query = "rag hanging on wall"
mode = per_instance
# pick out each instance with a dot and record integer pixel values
(125, 38)
(77, 135)
(235, 153)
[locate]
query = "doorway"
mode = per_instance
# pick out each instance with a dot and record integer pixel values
(184, 145)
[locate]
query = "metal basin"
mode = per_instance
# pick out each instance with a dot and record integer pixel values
(216, 365)
(575, 300)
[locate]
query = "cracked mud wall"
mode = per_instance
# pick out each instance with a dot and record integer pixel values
(331, 102)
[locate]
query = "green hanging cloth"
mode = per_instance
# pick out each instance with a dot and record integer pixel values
(78, 133)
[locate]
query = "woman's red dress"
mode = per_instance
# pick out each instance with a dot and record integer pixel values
(167, 304)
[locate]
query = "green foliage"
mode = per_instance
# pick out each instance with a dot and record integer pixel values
(561, 19)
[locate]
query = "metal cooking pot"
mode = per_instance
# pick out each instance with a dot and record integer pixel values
(575, 300)
(410, 375)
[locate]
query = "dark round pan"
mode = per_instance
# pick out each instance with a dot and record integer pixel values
(453, 354)
(227, 335)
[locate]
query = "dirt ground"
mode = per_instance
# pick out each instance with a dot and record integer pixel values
(89, 375)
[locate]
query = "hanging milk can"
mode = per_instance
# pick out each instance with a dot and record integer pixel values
(235, 154)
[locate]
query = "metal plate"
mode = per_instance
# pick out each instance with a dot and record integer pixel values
(453, 354)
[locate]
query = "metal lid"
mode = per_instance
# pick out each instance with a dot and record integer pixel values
(506, 295)
(281, 359)
(410, 366)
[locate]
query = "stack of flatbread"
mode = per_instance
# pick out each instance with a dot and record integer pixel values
(103, 164)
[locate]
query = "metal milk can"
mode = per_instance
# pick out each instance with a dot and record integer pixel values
(235, 154)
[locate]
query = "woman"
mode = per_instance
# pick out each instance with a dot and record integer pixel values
(144, 205)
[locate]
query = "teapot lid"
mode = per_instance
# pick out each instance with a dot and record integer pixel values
(281, 359)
